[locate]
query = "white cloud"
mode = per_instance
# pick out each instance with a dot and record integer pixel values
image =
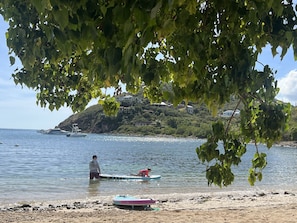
(288, 88)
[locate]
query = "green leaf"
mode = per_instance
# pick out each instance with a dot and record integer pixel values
(156, 10)
(12, 60)
(62, 18)
(110, 106)
(41, 6)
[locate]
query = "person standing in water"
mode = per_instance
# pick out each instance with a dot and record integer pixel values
(94, 168)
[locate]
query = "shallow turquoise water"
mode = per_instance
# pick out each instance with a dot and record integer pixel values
(36, 166)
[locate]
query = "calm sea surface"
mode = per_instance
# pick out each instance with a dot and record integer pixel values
(35, 166)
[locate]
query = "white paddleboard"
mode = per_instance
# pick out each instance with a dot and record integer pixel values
(129, 177)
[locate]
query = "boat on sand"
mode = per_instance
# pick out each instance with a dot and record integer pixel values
(126, 200)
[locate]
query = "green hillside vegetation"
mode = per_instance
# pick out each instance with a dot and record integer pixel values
(144, 118)
(291, 134)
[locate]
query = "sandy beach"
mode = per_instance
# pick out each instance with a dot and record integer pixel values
(251, 205)
(269, 206)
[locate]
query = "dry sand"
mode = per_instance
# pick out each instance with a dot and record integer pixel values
(269, 206)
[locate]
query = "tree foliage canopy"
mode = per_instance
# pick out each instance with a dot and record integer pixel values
(206, 50)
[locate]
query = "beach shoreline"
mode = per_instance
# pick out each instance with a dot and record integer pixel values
(287, 144)
(228, 206)
(35, 201)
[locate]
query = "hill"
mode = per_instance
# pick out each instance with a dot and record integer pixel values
(138, 116)
(142, 118)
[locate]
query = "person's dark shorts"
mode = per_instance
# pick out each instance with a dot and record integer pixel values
(94, 175)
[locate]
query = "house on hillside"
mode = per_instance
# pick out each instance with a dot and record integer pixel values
(229, 113)
(190, 109)
(125, 110)
(127, 100)
(162, 104)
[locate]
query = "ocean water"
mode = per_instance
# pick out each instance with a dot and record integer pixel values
(40, 167)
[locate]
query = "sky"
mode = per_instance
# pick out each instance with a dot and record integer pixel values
(18, 108)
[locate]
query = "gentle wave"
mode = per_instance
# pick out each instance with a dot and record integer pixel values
(37, 166)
